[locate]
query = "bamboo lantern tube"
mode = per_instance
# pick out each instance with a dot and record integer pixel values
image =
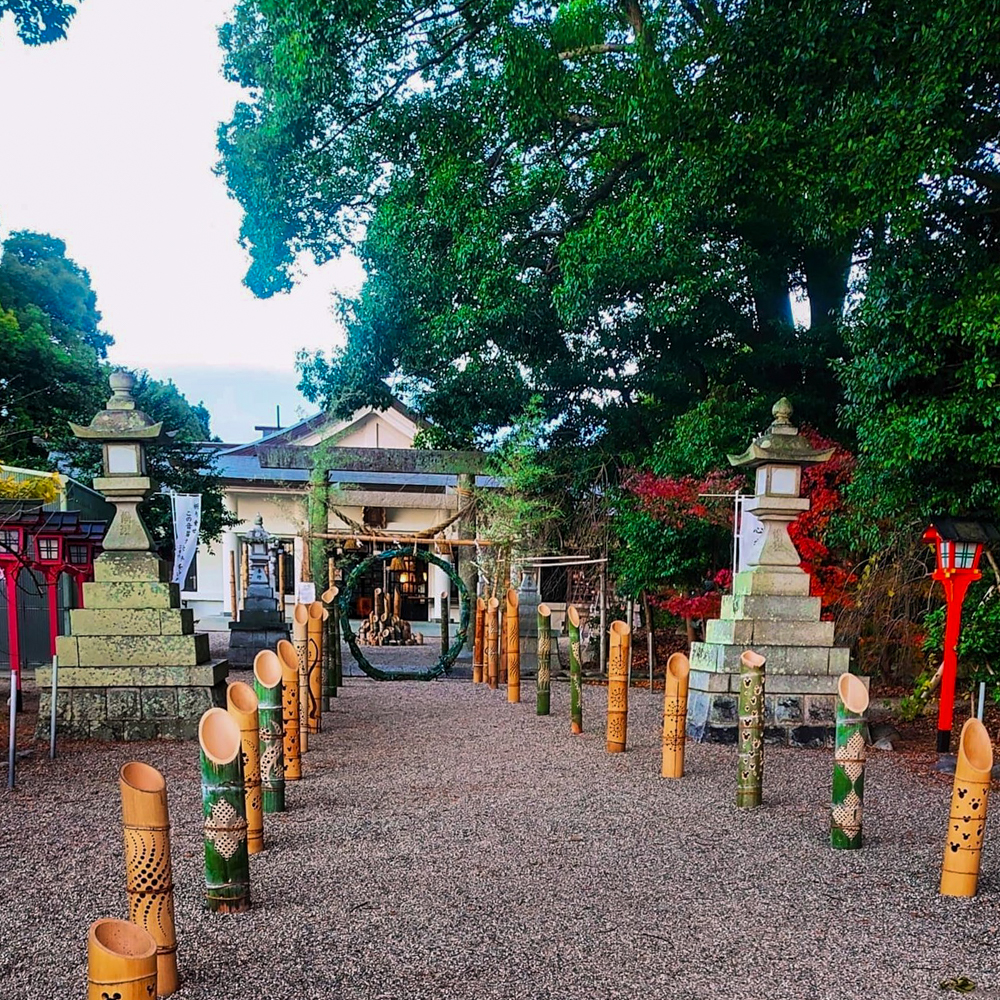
(232, 586)
(621, 635)
(281, 582)
(291, 744)
(750, 737)
(300, 637)
(675, 703)
(241, 703)
(267, 687)
(492, 642)
(314, 668)
(964, 843)
(575, 671)
(542, 679)
(330, 643)
(121, 961)
(227, 864)
(848, 763)
(513, 631)
(479, 643)
(148, 877)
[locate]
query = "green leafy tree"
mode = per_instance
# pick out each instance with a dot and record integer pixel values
(38, 21)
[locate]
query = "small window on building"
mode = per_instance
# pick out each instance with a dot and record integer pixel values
(9, 540)
(191, 580)
(47, 548)
(78, 554)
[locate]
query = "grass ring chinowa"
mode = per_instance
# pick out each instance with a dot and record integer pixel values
(445, 660)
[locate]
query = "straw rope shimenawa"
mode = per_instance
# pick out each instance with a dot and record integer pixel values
(575, 671)
(148, 872)
(542, 678)
(675, 698)
(479, 642)
(513, 636)
(290, 710)
(121, 961)
(969, 797)
(241, 703)
(300, 637)
(492, 643)
(618, 687)
(750, 731)
(848, 763)
(227, 864)
(314, 668)
(267, 687)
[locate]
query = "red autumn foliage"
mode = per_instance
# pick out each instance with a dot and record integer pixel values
(675, 501)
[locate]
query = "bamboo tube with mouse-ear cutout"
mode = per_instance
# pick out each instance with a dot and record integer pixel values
(227, 864)
(314, 668)
(148, 871)
(512, 628)
(618, 686)
(969, 797)
(291, 744)
(750, 731)
(267, 687)
(300, 638)
(575, 671)
(848, 763)
(121, 961)
(675, 698)
(241, 703)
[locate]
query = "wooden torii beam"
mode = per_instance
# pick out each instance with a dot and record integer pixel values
(414, 460)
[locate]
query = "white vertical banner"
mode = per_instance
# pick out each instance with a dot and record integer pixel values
(187, 523)
(750, 536)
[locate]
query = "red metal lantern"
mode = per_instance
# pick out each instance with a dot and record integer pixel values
(958, 546)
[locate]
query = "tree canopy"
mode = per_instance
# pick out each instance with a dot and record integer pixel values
(38, 21)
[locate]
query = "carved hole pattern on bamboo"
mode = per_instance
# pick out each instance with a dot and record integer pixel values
(147, 863)
(270, 769)
(225, 829)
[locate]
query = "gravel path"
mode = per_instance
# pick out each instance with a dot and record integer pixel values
(445, 844)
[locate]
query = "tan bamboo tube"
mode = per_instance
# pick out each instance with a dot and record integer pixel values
(314, 667)
(241, 703)
(513, 643)
(964, 844)
(492, 642)
(479, 643)
(300, 637)
(291, 744)
(331, 572)
(148, 874)
(244, 571)
(121, 961)
(618, 687)
(232, 585)
(281, 582)
(675, 698)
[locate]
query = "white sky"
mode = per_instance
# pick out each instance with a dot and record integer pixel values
(108, 142)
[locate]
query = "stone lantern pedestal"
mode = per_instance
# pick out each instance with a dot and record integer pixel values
(132, 667)
(771, 612)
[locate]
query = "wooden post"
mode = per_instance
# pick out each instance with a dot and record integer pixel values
(281, 582)
(232, 585)
(244, 573)
(650, 638)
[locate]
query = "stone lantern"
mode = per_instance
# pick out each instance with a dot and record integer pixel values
(771, 611)
(123, 431)
(778, 455)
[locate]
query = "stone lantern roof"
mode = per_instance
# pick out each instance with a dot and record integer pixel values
(781, 442)
(120, 420)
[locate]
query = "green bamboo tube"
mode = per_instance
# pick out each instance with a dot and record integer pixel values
(479, 643)
(314, 668)
(121, 961)
(267, 686)
(148, 878)
(848, 763)
(329, 643)
(227, 864)
(575, 671)
(291, 743)
(241, 703)
(338, 665)
(513, 631)
(542, 678)
(492, 642)
(750, 738)
(969, 797)
(621, 636)
(675, 700)
(300, 638)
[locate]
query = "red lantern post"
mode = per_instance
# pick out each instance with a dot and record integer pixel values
(958, 545)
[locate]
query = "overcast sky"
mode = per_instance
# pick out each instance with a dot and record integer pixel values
(108, 142)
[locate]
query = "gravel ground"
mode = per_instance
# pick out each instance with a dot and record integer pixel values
(445, 844)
